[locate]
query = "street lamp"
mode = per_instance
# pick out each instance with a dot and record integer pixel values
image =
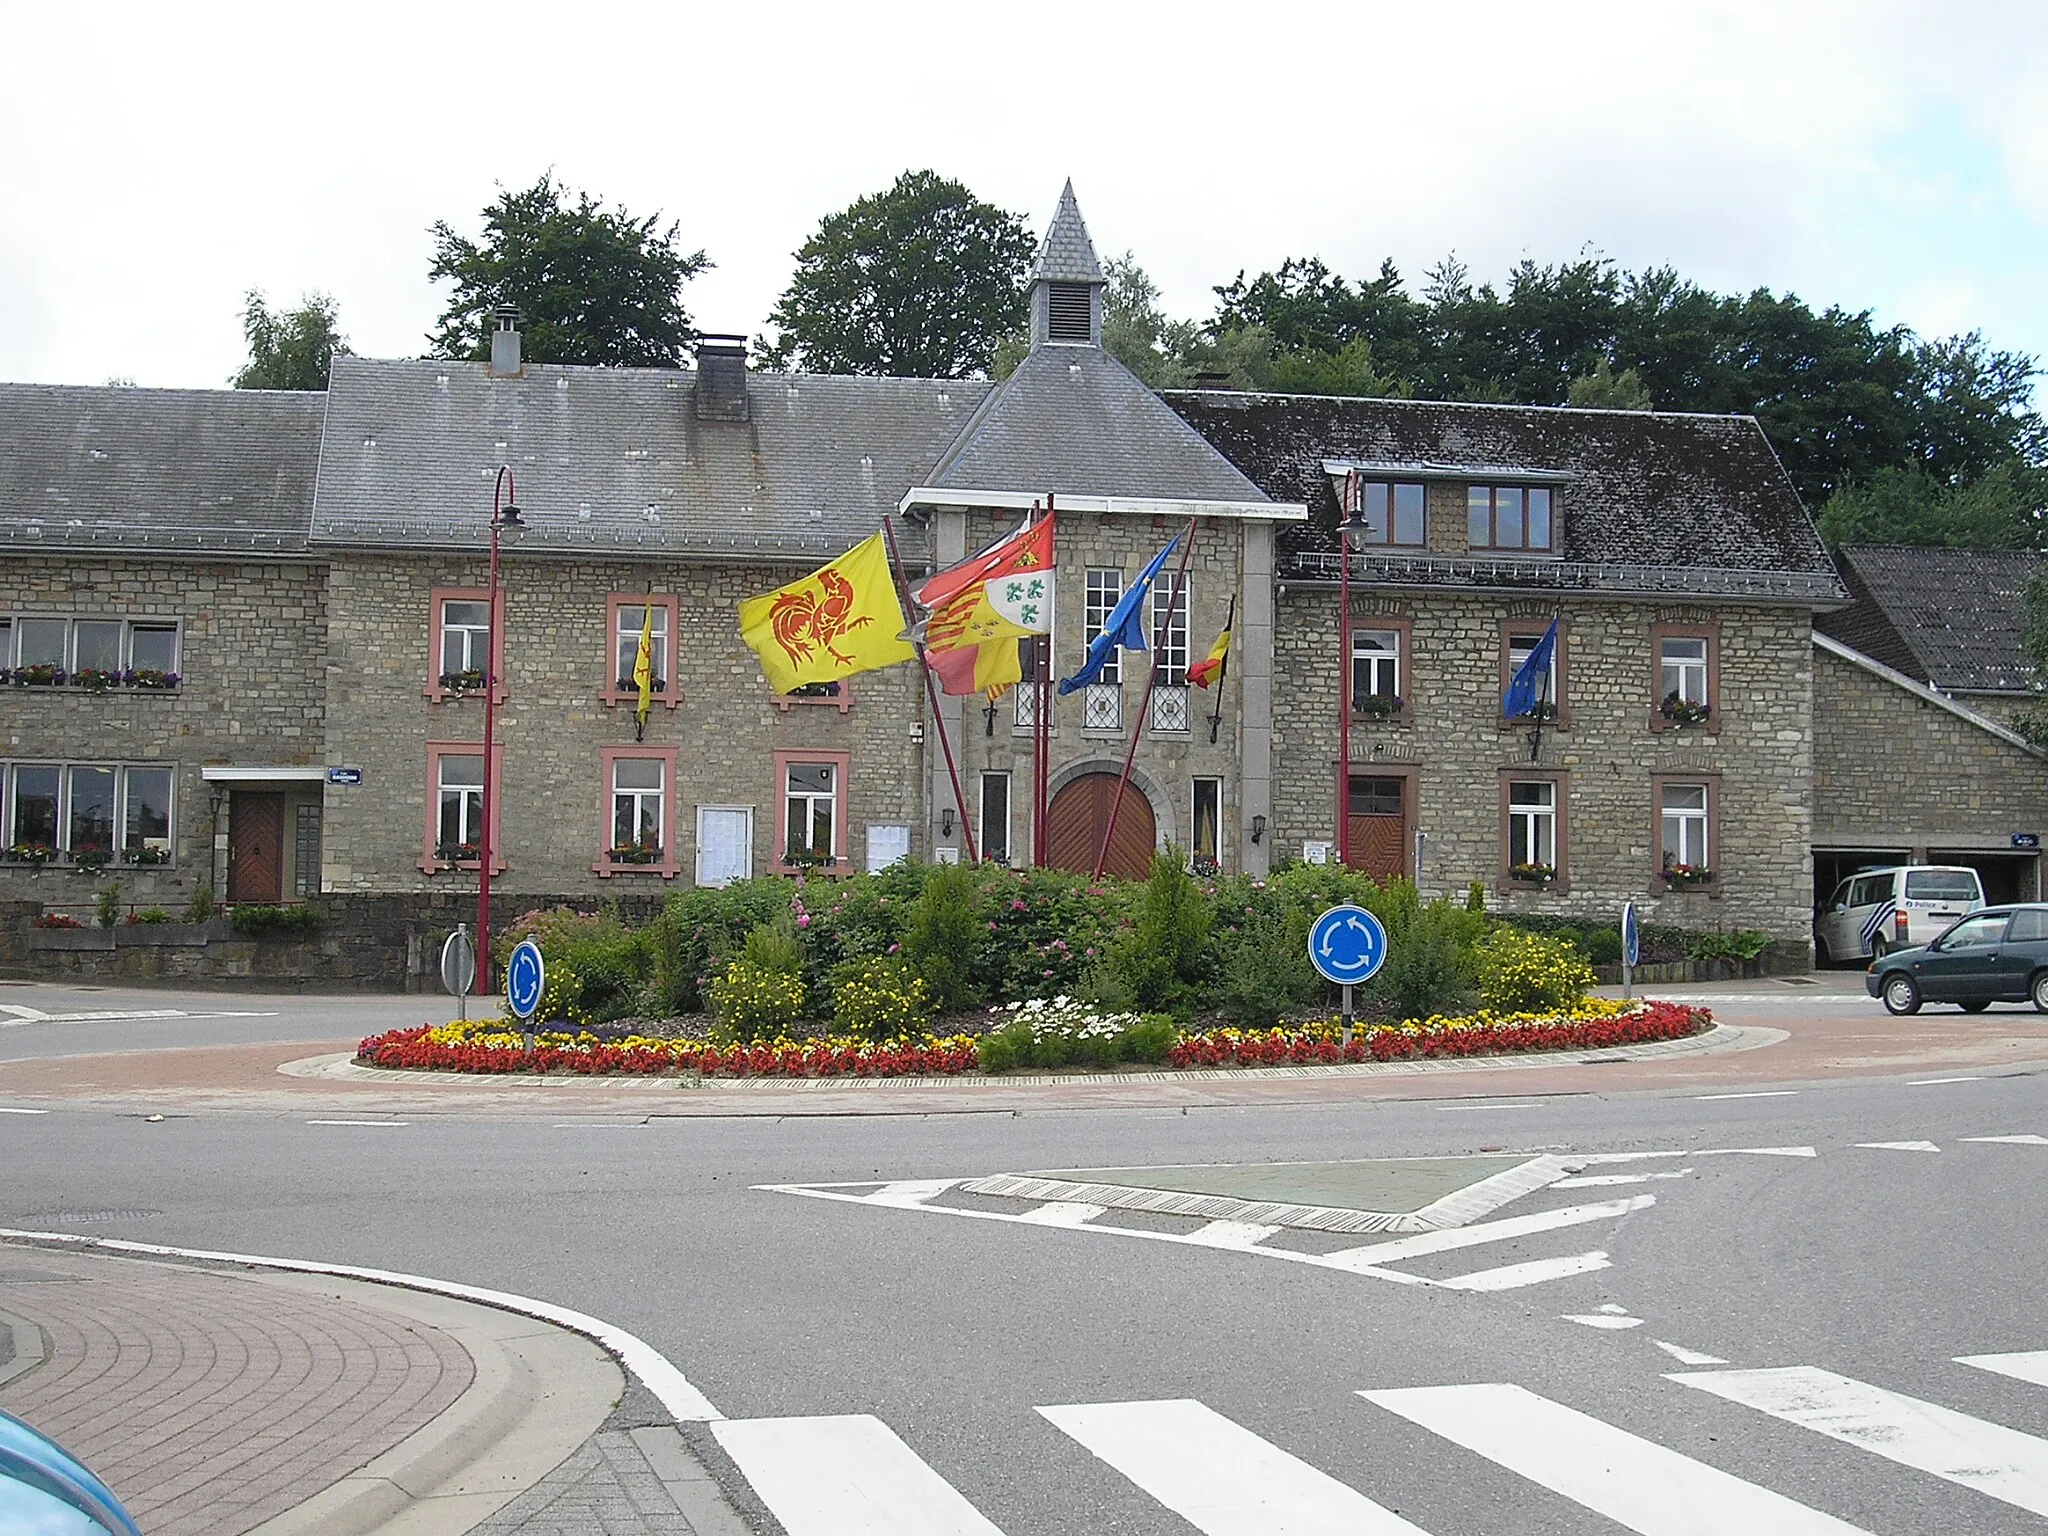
(505, 528)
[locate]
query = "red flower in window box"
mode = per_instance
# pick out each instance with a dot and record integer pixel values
(635, 853)
(1685, 711)
(1681, 876)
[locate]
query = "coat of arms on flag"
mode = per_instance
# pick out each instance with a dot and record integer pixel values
(982, 607)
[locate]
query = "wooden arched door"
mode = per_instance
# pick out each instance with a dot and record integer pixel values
(1076, 819)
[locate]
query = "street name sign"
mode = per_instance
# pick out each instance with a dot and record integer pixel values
(526, 977)
(344, 775)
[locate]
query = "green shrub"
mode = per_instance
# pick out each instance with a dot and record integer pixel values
(200, 908)
(108, 905)
(1263, 968)
(756, 1004)
(1157, 964)
(152, 915)
(1743, 944)
(774, 946)
(1475, 897)
(946, 932)
(1430, 966)
(612, 960)
(879, 998)
(1526, 971)
(277, 922)
(561, 999)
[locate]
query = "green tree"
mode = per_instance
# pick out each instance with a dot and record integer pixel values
(291, 348)
(1604, 389)
(2032, 722)
(2006, 508)
(591, 285)
(919, 281)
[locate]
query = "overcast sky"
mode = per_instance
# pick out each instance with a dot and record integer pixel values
(157, 161)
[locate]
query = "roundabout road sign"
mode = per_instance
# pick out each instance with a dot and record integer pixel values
(526, 975)
(1347, 944)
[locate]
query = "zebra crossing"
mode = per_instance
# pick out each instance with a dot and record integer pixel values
(852, 1475)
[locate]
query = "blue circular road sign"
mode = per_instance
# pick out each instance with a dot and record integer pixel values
(1631, 936)
(1347, 944)
(526, 976)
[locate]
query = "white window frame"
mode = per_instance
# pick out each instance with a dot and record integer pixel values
(1520, 648)
(122, 809)
(469, 830)
(61, 826)
(1683, 673)
(626, 645)
(1170, 641)
(1532, 824)
(1694, 835)
(830, 796)
(1105, 589)
(469, 632)
(1378, 661)
(746, 871)
(639, 797)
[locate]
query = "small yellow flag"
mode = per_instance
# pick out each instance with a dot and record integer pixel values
(643, 665)
(839, 620)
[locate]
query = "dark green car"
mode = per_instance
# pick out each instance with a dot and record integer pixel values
(1997, 955)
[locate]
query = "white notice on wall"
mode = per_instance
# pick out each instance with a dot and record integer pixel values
(887, 844)
(1315, 853)
(725, 837)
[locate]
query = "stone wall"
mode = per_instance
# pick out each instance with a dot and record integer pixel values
(1455, 748)
(251, 659)
(1894, 768)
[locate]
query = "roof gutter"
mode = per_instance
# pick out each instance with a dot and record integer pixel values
(1135, 506)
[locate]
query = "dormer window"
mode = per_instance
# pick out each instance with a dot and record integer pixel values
(1391, 513)
(1068, 312)
(1509, 517)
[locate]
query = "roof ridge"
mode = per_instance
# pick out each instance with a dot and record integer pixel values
(1463, 405)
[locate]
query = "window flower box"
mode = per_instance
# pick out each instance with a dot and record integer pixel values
(1682, 877)
(469, 680)
(657, 685)
(35, 855)
(58, 920)
(1378, 706)
(42, 675)
(1545, 711)
(146, 857)
(799, 858)
(96, 680)
(151, 678)
(634, 853)
(1533, 874)
(1684, 711)
(458, 853)
(90, 861)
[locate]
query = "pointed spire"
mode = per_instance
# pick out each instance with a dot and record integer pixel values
(1067, 256)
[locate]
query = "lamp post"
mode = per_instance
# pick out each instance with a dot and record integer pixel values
(1353, 522)
(506, 528)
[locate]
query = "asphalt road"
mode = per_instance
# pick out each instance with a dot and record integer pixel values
(1881, 1264)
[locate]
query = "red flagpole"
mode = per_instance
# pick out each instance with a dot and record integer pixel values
(1145, 703)
(1344, 673)
(1041, 723)
(931, 690)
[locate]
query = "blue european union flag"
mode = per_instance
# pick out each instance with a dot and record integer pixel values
(1526, 689)
(1124, 627)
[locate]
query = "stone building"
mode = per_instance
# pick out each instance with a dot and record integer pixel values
(320, 566)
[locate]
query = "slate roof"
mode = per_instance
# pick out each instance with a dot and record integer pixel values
(1946, 617)
(1074, 421)
(208, 471)
(615, 460)
(1648, 501)
(1067, 255)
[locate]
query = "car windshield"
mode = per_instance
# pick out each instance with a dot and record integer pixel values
(1941, 885)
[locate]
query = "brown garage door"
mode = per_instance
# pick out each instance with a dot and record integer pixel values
(1076, 819)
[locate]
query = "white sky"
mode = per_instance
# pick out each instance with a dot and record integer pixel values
(156, 161)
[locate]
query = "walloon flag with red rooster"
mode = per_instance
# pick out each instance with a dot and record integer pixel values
(841, 619)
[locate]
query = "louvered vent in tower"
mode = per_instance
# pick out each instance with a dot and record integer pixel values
(1067, 315)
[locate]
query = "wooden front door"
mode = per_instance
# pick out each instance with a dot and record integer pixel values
(255, 847)
(1077, 816)
(1378, 810)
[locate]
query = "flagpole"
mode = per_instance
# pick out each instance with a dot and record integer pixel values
(1344, 670)
(932, 693)
(1223, 670)
(1145, 703)
(1041, 722)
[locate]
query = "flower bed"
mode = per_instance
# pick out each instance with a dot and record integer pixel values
(487, 1047)
(1595, 1024)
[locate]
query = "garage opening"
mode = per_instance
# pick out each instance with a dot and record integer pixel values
(2006, 876)
(1831, 866)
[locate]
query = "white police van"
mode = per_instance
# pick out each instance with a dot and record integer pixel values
(1879, 910)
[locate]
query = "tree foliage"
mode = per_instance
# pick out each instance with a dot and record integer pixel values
(591, 285)
(919, 281)
(290, 348)
(2001, 509)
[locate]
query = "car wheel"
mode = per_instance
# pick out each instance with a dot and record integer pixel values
(2040, 992)
(1901, 993)
(1978, 1006)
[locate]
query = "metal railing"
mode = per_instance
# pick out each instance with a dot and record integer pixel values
(1564, 575)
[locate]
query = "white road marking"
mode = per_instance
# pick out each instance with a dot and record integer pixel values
(669, 1386)
(1060, 1213)
(23, 1012)
(1510, 1277)
(1448, 1107)
(1219, 1476)
(1766, 1093)
(1232, 1234)
(1424, 1243)
(2029, 1366)
(5, 1110)
(1686, 1356)
(1603, 1320)
(1632, 1481)
(1935, 1082)
(909, 1192)
(846, 1476)
(1599, 1180)
(359, 1122)
(2017, 1141)
(1590, 1158)
(1988, 1457)
(1899, 1146)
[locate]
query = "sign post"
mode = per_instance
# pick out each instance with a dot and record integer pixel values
(526, 978)
(1631, 949)
(1347, 945)
(458, 968)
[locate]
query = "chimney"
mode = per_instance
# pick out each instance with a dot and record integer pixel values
(722, 378)
(505, 362)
